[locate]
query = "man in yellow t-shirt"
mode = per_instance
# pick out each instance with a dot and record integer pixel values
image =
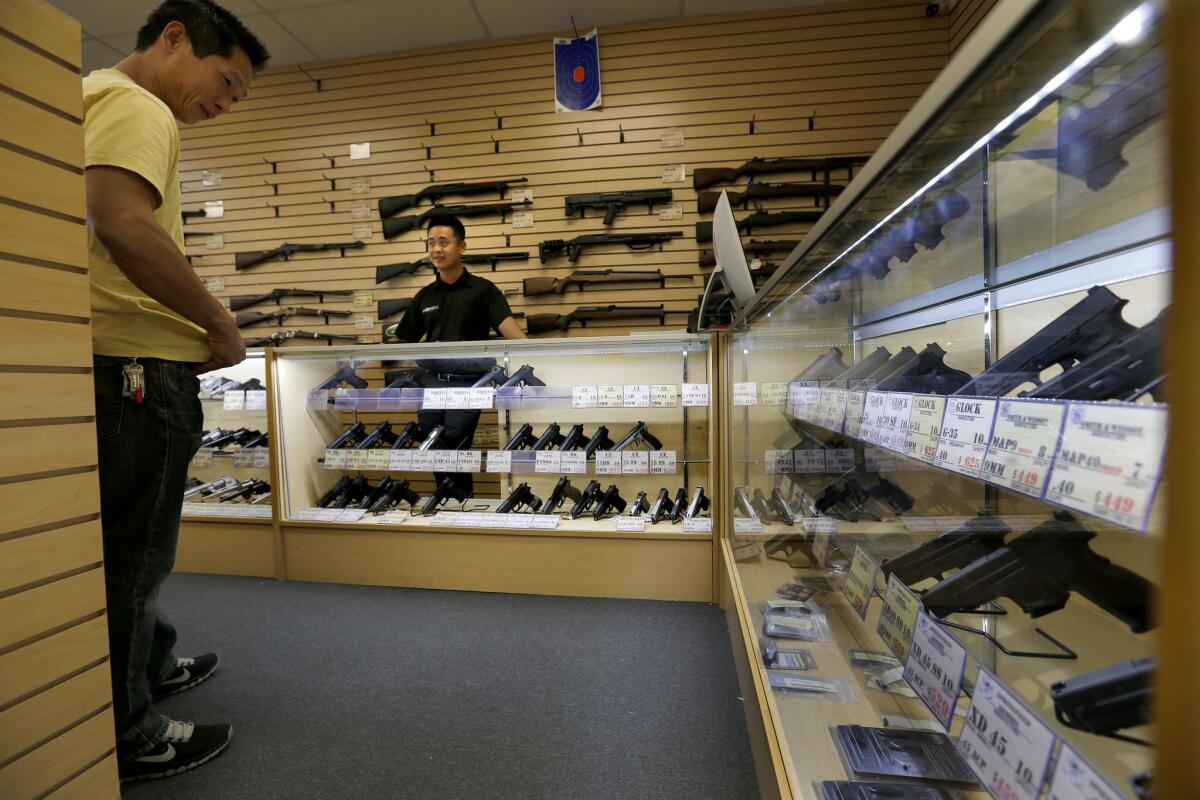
(154, 328)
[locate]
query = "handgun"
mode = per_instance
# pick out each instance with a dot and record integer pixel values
(609, 500)
(549, 439)
(638, 434)
(349, 438)
(521, 439)
(409, 434)
(762, 509)
(697, 504)
(522, 377)
(639, 505)
(925, 373)
(562, 491)
(866, 366)
(741, 502)
(955, 549)
(679, 506)
(1106, 700)
(780, 508)
(382, 432)
(446, 490)
(520, 496)
(343, 375)
(587, 498)
(1039, 569)
(661, 508)
(574, 439)
(791, 545)
(374, 495)
(354, 492)
(895, 498)
(599, 441)
(496, 374)
(1125, 370)
(401, 378)
(399, 490)
(432, 438)
(825, 368)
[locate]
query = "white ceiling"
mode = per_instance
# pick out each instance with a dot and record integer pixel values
(300, 31)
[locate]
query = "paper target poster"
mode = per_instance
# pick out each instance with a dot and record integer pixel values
(577, 73)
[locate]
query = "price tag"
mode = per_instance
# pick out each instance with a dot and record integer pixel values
(360, 185)
(401, 460)
(214, 209)
(608, 463)
(522, 219)
(335, 459)
(307, 514)
(262, 458)
(356, 459)
(544, 522)
(808, 461)
(360, 209)
(380, 459)
(573, 462)
(234, 401)
(860, 581)
(361, 231)
(1076, 779)
(634, 462)
(774, 394)
(362, 299)
(469, 461)
(747, 525)
(839, 460)
(424, 460)
(894, 429)
(360, 151)
(610, 396)
(874, 410)
(363, 322)
(695, 395)
(898, 620)
(670, 211)
(934, 668)
(637, 395)
(745, 394)
(547, 461)
(499, 461)
(214, 241)
(1109, 461)
(215, 285)
(583, 397)
(876, 460)
(816, 525)
(631, 524)
(855, 403)
(1024, 440)
(804, 399)
(664, 395)
(459, 398)
(662, 462)
(778, 462)
(676, 173)
(434, 399)
(925, 427)
(966, 430)
(820, 548)
(834, 401)
(481, 398)
(256, 400)
(444, 460)
(701, 525)
(210, 177)
(351, 514)
(673, 137)
(203, 458)
(521, 195)
(1005, 742)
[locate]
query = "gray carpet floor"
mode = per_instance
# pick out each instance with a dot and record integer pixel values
(372, 692)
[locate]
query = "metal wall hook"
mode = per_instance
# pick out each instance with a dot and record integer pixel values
(317, 81)
(429, 169)
(754, 117)
(428, 150)
(812, 119)
(621, 131)
(432, 128)
(579, 133)
(495, 144)
(499, 120)
(274, 165)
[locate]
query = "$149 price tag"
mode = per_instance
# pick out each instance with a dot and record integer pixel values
(1006, 743)
(936, 661)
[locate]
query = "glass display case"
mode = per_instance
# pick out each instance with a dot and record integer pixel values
(596, 434)
(947, 429)
(230, 475)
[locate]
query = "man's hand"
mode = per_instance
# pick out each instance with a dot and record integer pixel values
(225, 343)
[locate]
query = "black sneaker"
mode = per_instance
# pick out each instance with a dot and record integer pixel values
(185, 747)
(188, 672)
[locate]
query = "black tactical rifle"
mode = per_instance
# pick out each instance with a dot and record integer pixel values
(708, 258)
(763, 219)
(390, 308)
(286, 250)
(241, 301)
(390, 206)
(634, 241)
(706, 202)
(614, 202)
(397, 225)
(389, 271)
(708, 176)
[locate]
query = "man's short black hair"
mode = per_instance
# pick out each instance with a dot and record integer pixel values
(449, 221)
(211, 29)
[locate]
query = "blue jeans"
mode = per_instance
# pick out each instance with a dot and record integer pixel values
(144, 452)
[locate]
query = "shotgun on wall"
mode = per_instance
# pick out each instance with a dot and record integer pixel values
(286, 250)
(390, 206)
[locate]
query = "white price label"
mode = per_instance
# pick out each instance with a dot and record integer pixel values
(360, 151)
(499, 461)
(966, 430)
(360, 185)
(445, 460)
(469, 461)
(673, 137)
(839, 460)
(234, 401)
(934, 668)
(635, 462)
(583, 397)
(1005, 742)
(425, 460)
(774, 394)
(631, 524)
(215, 285)
(335, 459)
(893, 431)
(458, 398)
(898, 619)
(745, 394)
(637, 395)
(834, 401)
(573, 462)
(256, 400)
(670, 211)
(203, 458)
(662, 462)
(817, 525)
(360, 209)
(401, 461)
(434, 399)
(361, 231)
(700, 525)
(214, 241)
(1109, 461)
(695, 395)
(747, 525)
(676, 173)
(874, 410)
(925, 427)
(379, 459)
(1024, 440)
(610, 396)
(363, 322)
(547, 461)
(1076, 779)
(808, 461)
(262, 458)
(860, 582)
(521, 195)
(803, 399)
(362, 299)
(608, 463)
(482, 398)
(214, 209)
(855, 403)
(210, 177)
(544, 522)
(356, 459)
(664, 395)
(351, 514)
(522, 219)
(778, 462)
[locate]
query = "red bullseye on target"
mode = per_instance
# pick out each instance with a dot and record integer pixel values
(577, 73)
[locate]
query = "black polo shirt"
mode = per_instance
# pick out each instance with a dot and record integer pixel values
(463, 311)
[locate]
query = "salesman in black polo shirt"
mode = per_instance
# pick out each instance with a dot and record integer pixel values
(456, 307)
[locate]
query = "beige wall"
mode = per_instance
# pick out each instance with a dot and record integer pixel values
(966, 18)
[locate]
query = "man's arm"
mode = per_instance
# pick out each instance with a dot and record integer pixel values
(120, 209)
(511, 329)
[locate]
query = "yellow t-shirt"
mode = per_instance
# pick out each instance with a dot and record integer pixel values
(128, 127)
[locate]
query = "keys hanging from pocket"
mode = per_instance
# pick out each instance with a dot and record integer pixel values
(134, 384)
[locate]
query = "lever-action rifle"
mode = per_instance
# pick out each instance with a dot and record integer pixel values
(239, 302)
(286, 250)
(634, 241)
(757, 248)
(245, 319)
(389, 206)
(707, 201)
(613, 202)
(587, 277)
(543, 323)
(397, 225)
(389, 271)
(279, 337)
(763, 219)
(708, 176)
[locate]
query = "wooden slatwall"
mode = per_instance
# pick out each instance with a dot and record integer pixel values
(56, 727)
(965, 18)
(485, 111)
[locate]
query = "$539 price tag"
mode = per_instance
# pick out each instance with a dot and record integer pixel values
(936, 661)
(1006, 743)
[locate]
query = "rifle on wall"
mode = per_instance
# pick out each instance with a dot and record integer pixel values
(588, 277)
(574, 247)
(238, 302)
(709, 176)
(389, 271)
(613, 202)
(397, 225)
(245, 319)
(390, 206)
(286, 250)
(544, 323)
